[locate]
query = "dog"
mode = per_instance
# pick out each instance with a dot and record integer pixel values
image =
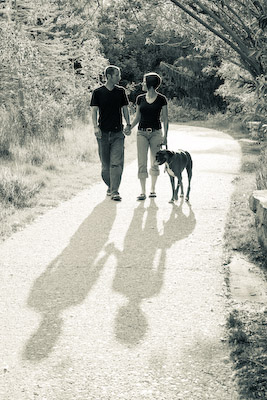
(175, 163)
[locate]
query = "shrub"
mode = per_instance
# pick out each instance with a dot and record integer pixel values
(179, 111)
(16, 190)
(7, 133)
(261, 176)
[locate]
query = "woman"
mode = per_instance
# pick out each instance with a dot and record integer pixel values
(151, 106)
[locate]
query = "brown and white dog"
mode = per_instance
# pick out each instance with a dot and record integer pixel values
(175, 163)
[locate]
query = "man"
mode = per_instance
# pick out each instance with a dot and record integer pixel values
(108, 103)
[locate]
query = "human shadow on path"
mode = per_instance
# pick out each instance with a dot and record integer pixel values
(141, 264)
(68, 279)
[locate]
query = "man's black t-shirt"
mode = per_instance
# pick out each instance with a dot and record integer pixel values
(110, 103)
(150, 113)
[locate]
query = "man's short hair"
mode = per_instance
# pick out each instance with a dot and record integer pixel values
(110, 70)
(152, 80)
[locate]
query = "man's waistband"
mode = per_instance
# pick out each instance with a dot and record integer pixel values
(111, 130)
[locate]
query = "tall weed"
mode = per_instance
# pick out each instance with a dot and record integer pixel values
(8, 135)
(79, 143)
(261, 176)
(16, 189)
(180, 111)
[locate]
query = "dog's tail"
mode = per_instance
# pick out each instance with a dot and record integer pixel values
(189, 166)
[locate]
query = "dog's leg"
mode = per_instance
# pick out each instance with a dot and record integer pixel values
(173, 189)
(189, 169)
(179, 184)
(182, 188)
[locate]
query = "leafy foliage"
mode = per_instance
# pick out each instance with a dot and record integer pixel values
(248, 341)
(50, 59)
(124, 35)
(234, 31)
(135, 37)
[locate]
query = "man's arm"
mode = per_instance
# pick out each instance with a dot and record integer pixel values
(94, 114)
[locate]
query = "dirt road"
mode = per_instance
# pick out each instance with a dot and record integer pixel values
(105, 300)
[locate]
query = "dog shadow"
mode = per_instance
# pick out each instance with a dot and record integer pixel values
(141, 265)
(68, 279)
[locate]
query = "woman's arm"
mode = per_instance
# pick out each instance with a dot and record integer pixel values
(137, 117)
(165, 120)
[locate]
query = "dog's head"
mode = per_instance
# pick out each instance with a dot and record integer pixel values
(163, 156)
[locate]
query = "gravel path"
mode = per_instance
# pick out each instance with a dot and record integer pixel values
(104, 300)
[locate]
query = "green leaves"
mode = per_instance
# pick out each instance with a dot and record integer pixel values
(42, 41)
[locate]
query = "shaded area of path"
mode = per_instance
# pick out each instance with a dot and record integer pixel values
(141, 265)
(68, 279)
(105, 300)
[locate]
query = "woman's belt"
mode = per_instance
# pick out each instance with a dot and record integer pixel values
(149, 130)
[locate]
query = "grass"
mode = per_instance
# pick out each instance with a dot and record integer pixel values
(247, 336)
(16, 190)
(39, 175)
(240, 233)
(247, 327)
(261, 177)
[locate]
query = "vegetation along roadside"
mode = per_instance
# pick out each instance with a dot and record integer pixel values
(247, 322)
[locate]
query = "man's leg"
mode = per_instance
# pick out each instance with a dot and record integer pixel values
(116, 161)
(104, 155)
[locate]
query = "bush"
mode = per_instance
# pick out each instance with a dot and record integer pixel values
(179, 111)
(261, 176)
(16, 190)
(8, 134)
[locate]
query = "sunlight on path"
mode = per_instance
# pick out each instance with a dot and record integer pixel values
(105, 300)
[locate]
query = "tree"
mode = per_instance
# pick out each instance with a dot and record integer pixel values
(42, 44)
(240, 24)
(124, 34)
(234, 30)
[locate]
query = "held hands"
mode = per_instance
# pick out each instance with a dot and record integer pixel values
(127, 131)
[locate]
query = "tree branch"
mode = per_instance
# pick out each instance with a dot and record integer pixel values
(221, 23)
(240, 20)
(253, 68)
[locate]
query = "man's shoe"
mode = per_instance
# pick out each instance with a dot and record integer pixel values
(108, 192)
(116, 197)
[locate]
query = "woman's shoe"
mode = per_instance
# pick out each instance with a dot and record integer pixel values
(152, 194)
(142, 196)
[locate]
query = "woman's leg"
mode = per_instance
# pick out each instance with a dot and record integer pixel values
(142, 150)
(155, 142)
(153, 183)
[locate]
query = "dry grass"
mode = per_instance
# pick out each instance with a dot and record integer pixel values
(47, 174)
(247, 328)
(240, 232)
(247, 336)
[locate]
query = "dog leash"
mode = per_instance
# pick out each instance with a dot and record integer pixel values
(166, 147)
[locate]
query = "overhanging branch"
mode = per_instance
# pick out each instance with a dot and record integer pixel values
(253, 67)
